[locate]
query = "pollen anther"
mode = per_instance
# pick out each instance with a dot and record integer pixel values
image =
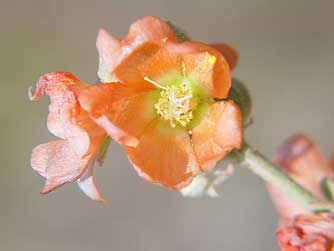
(176, 104)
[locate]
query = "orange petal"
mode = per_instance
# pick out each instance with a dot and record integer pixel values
(122, 111)
(109, 49)
(229, 53)
(112, 51)
(200, 61)
(150, 29)
(163, 157)
(87, 185)
(163, 62)
(211, 70)
(218, 134)
(129, 71)
(58, 163)
(304, 163)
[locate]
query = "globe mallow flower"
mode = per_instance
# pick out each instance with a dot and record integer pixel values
(169, 110)
(71, 158)
(299, 229)
(112, 50)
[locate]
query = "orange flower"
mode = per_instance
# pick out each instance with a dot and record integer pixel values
(72, 157)
(301, 230)
(112, 51)
(164, 109)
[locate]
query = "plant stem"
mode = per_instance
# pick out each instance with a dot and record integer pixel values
(264, 168)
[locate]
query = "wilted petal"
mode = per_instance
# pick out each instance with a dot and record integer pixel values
(87, 185)
(65, 160)
(84, 135)
(58, 163)
(54, 84)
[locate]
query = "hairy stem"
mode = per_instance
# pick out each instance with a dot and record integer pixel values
(264, 168)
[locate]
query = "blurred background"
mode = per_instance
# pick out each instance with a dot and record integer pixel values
(286, 59)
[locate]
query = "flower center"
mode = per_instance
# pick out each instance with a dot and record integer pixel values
(176, 103)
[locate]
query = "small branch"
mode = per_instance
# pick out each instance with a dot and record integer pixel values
(270, 173)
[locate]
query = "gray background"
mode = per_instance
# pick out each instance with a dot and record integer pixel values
(286, 58)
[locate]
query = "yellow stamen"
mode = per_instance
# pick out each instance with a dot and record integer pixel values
(176, 104)
(209, 61)
(184, 69)
(154, 83)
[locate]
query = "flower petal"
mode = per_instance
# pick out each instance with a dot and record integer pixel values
(211, 71)
(54, 85)
(55, 125)
(304, 163)
(286, 206)
(316, 223)
(87, 185)
(292, 238)
(160, 64)
(128, 71)
(122, 111)
(84, 135)
(164, 157)
(229, 53)
(58, 163)
(112, 51)
(194, 59)
(150, 29)
(219, 132)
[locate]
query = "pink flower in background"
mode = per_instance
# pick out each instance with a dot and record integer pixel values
(300, 230)
(71, 158)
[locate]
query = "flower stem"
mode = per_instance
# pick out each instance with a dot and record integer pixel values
(264, 168)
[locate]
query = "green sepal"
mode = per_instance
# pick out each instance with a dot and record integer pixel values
(240, 94)
(327, 188)
(180, 34)
(102, 151)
